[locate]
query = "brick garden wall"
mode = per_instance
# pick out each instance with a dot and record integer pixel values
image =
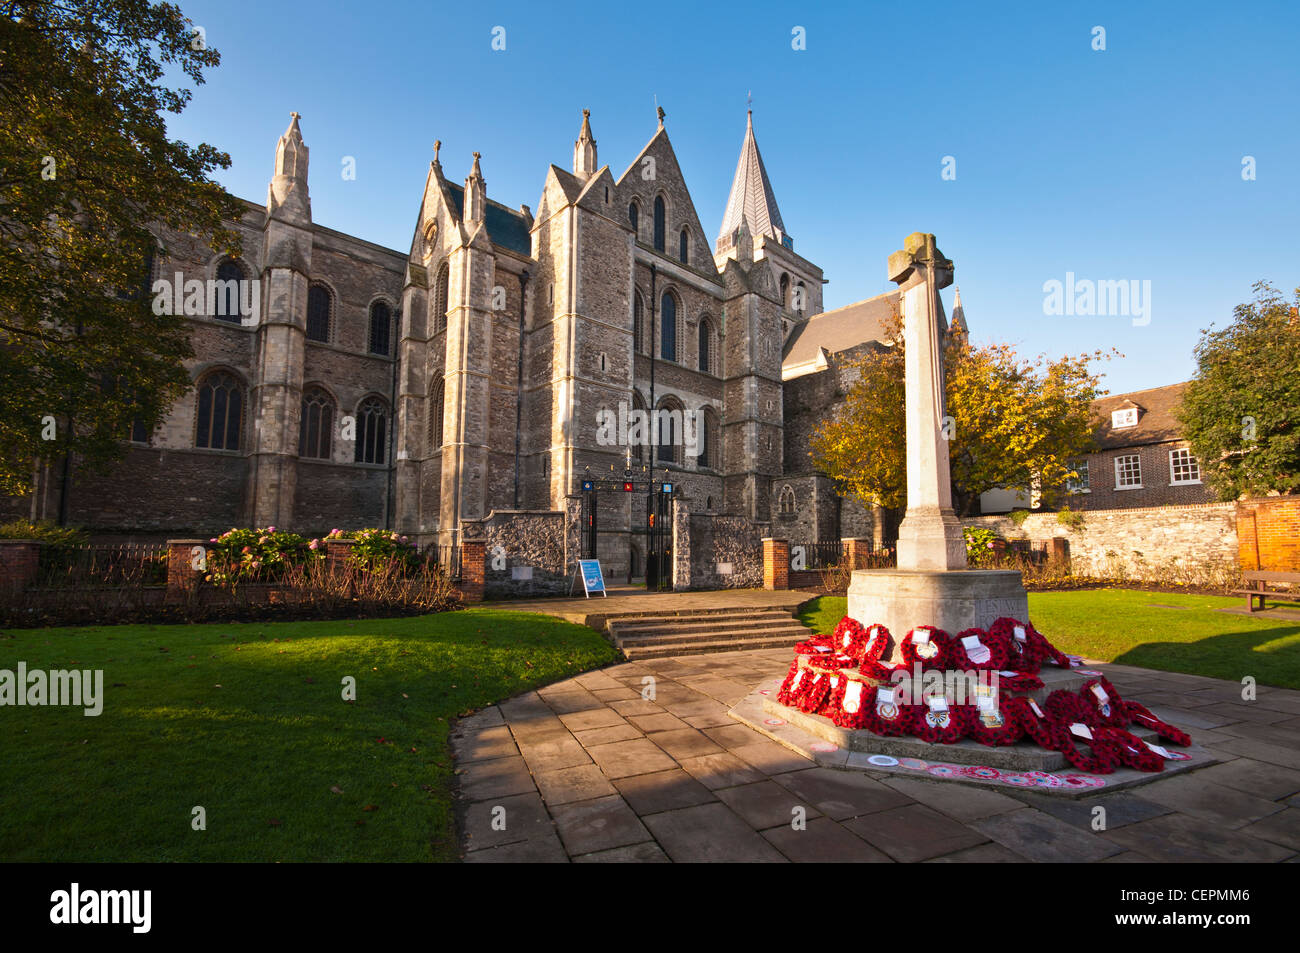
(1200, 537)
(1268, 532)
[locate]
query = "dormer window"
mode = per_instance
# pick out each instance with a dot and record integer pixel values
(1127, 417)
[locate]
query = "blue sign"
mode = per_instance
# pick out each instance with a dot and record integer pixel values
(592, 580)
(668, 487)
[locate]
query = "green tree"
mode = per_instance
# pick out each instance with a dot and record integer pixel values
(88, 181)
(1241, 412)
(1013, 420)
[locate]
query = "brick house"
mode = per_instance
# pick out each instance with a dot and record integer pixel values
(1141, 457)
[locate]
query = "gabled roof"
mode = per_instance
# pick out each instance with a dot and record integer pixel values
(751, 196)
(1157, 420)
(834, 331)
(505, 226)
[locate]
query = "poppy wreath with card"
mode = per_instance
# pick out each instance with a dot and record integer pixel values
(817, 645)
(1045, 731)
(834, 697)
(1069, 709)
(1018, 681)
(885, 716)
(1131, 750)
(1141, 715)
(997, 727)
(849, 637)
(940, 727)
(1021, 656)
(932, 652)
(857, 700)
(1107, 707)
(790, 686)
(959, 657)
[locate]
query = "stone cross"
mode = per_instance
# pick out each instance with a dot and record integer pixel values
(930, 536)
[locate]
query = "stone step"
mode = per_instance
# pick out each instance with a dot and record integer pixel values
(661, 613)
(704, 627)
(786, 635)
(662, 650)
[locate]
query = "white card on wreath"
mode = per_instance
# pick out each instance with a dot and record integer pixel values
(986, 703)
(937, 703)
(1034, 705)
(1020, 633)
(920, 636)
(1082, 730)
(976, 650)
(1101, 694)
(885, 696)
(1163, 752)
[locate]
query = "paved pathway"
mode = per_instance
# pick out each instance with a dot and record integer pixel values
(622, 599)
(588, 770)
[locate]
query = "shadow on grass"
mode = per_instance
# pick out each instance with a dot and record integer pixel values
(1227, 656)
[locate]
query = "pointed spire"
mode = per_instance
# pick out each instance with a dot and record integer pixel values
(475, 193)
(751, 199)
(288, 196)
(584, 150)
(958, 323)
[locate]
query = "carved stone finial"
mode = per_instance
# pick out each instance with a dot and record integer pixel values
(293, 116)
(660, 110)
(586, 114)
(437, 144)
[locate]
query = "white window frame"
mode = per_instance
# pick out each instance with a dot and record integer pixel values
(1191, 461)
(1123, 418)
(1081, 485)
(1118, 466)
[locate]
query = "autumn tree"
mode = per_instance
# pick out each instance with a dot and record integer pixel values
(88, 181)
(1014, 421)
(1241, 412)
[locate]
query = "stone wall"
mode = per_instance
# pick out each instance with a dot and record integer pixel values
(1202, 537)
(719, 543)
(525, 553)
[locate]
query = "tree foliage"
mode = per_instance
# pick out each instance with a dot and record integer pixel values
(88, 180)
(1014, 421)
(1241, 412)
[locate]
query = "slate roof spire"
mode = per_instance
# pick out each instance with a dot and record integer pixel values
(958, 322)
(751, 196)
(288, 197)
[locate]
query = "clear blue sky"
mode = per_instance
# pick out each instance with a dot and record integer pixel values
(1119, 165)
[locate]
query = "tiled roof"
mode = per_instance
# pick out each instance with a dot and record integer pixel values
(505, 226)
(1157, 422)
(840, 329)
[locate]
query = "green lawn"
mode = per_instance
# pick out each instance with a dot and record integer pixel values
(248, 722)
(1126, 626)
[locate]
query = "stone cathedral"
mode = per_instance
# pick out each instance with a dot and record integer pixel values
(468, 375)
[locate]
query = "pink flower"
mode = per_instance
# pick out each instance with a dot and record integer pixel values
(270, 529)
(246, 550)
(314, 544)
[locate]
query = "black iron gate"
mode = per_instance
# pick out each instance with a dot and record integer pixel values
(651, 524)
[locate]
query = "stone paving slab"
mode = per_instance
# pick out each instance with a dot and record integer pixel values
(588, 770)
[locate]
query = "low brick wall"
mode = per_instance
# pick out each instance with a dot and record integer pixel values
(1202, 537)
(1268, 533)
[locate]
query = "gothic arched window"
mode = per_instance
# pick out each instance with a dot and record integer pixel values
(786, 500)
(638, 320)
(436, 409)
(318, 313)
(372, 431)
(785, 291)
(381, 322)
(668, 431)
(633, 216)
(638, 412)
(440, 299)
(317, 424)
(668, 327)
(220, 414)
(230, 277)
(709, 455)
(659, 223)
(684, 247)
(706, 345)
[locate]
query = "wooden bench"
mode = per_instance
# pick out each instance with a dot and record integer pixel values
(1260, 590)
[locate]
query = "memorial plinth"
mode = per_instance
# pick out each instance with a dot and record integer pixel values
(902, 599)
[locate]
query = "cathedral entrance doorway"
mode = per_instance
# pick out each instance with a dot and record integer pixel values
(649, 533)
